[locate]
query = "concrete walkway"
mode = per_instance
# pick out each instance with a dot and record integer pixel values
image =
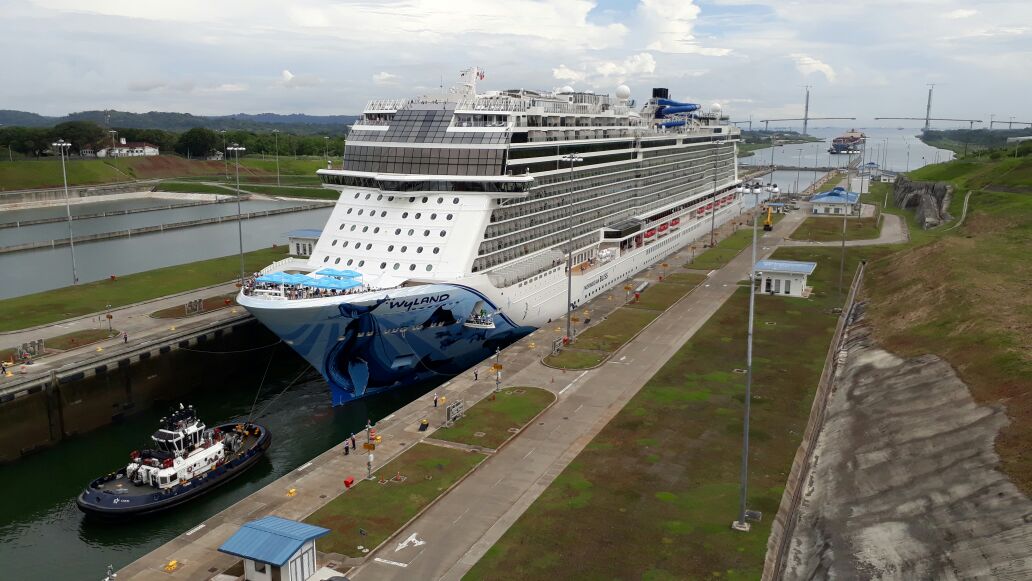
(135, 319)
(463, 525)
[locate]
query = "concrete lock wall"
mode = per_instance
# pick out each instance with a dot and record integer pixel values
(81, 402)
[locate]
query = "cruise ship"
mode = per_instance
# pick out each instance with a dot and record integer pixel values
(849, 142)
(467, 219)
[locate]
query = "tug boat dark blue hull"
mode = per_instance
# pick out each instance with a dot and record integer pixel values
(114, 497)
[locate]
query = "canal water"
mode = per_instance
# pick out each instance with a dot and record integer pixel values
(44, 536)
(45, 269)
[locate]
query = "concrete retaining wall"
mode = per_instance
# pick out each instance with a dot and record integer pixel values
(51, 196)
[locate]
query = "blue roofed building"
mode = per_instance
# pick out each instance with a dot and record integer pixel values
(837, 202)
(275, 548)
(784, 277)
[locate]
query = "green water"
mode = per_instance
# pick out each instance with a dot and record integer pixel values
(44, 536)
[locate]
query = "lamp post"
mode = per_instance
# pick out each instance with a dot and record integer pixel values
(571, 159)
(113, 134)
(326, 147)
(713, 212)
(275, 133)
(798, 167)
(62, 146)
(225, 154)
(237, 149)
(740, 524)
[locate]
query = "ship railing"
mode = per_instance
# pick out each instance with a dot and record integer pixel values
(385, 104)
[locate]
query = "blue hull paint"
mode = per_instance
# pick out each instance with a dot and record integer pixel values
(368, 347)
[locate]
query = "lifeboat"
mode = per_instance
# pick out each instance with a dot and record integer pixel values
(650, 232)
(664, 227)
(675, 222)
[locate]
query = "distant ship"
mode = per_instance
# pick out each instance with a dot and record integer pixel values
(458, 215)
(849, 142)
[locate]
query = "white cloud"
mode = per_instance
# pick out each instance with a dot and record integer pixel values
(960, 13)
(641, 64)
(228, 88)
(669, 25)
(808, 65)
(565, 73)
(290, 80)
(385, 78)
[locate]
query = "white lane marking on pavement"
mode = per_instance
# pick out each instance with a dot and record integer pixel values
(463, 514)
(529, 453)
(569, 385)
(578, 408)
(388, 562)
(499, 481)
(387, 418)
(303, 466)
(622, 358)
(412, 541)
(195, 529)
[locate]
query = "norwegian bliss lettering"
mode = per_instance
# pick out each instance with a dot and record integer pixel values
(596, 282)
(408, 305)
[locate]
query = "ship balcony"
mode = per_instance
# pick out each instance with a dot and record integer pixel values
(480, 318)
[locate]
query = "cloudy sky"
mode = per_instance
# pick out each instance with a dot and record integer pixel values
(862, 58)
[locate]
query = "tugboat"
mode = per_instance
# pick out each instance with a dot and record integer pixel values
(187, 461)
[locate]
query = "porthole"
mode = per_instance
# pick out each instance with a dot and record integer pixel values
(390, 248)
(412, 199)
(379, 197)
(429, 267)
(341, 227)
(396, 266)
(425, 199)
(337, 261)
(365, 228)
(411, 232)
(367, 196)
(390, 198)
(326, 258)
(376, 230)
(361, 263)
(418, 215)
(353, 227)
(442, 233)
(440, 200)
(360, 212)
(455, 200)
(412, 267)
(397, 231)
(419, 250)
(383, 214)
(437, 250)
(449, 217)
(426, 232)
(368, 246)
(383, 265)
(350, 260)
(356, 196)
(404, 248)
(334, 243)
(433, 216)
(404, 214)
(349, 210)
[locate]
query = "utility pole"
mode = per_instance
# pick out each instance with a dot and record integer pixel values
(275, 133)
(63, 147)
(806, 110)
(236, 149)
(225, 154)
(572, 159)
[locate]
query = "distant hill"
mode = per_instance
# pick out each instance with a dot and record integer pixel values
(178, 122)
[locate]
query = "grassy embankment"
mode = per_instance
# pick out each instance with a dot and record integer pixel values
(58, 304)
(47, 173)
(962, 294)
(599, 341)
(493, 418)
(656, 490)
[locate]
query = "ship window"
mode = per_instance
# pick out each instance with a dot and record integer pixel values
(367, 196)
(376, 230)
(365, 228)
(425, 199)
(361, 263)
(412, 199)
(390, 248)
(356, 196)
(349, 210)
(418, 215)
(368, 246)
(437, 250)
(429, 267)
(433, 216)
(360, 212)
(334, 243)
(383, 214)
(449, 217)
(440, 200)
(352, 227)
(350, 260)
(442, 233)
(411, 231)
(379, 197)
(390, 198)
(336, 261)
(396, 266)
(342, 225)
(412, 267)
(404, 248)
(383, 265)
(419, 250)
(404, 214)
(455, 200)
(426, 232)
(325, 258)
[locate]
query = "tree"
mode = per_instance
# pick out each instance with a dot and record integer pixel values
(198, 142)
(79, 133)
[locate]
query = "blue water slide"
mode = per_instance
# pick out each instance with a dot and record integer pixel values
(672, 123)
(670, 107)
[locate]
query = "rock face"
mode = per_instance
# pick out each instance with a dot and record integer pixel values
(904, 481)
(929, 200)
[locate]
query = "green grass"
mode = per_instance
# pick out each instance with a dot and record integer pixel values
(381, 509)
(723, 252)
(659, 296)
(317, 193)
(194, 188)
(824, 229)
(287, 165)
(55, 305)
(693, 279)
(617, 329)
(656, 490)
(512, 408)
(19, 175)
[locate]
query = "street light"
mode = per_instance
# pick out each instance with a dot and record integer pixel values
(225, 155)
(713, 213)
(754, 277)
(113, 134)
(798, 167)
(326, 147)
(275, 133)
(237, 149)
(63, 146)
(571, 159)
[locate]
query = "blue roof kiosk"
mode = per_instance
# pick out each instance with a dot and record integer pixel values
(836, 203)
(784, 277)
(275, 548)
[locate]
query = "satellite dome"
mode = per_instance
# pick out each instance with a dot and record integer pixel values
(716, 107)
(623, 92)
(566, 89)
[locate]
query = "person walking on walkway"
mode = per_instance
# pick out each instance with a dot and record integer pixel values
(476, 374)
(352, 441)
(125, 337)
(435, 399)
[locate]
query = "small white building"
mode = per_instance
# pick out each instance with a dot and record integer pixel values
(130, 149)
(836, 203)
(275, 549)
(301, 242)
(784, 277)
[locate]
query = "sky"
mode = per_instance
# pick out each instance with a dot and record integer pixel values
(861, 59)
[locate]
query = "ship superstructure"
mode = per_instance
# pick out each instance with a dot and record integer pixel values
(849, 142)
(458, 213)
